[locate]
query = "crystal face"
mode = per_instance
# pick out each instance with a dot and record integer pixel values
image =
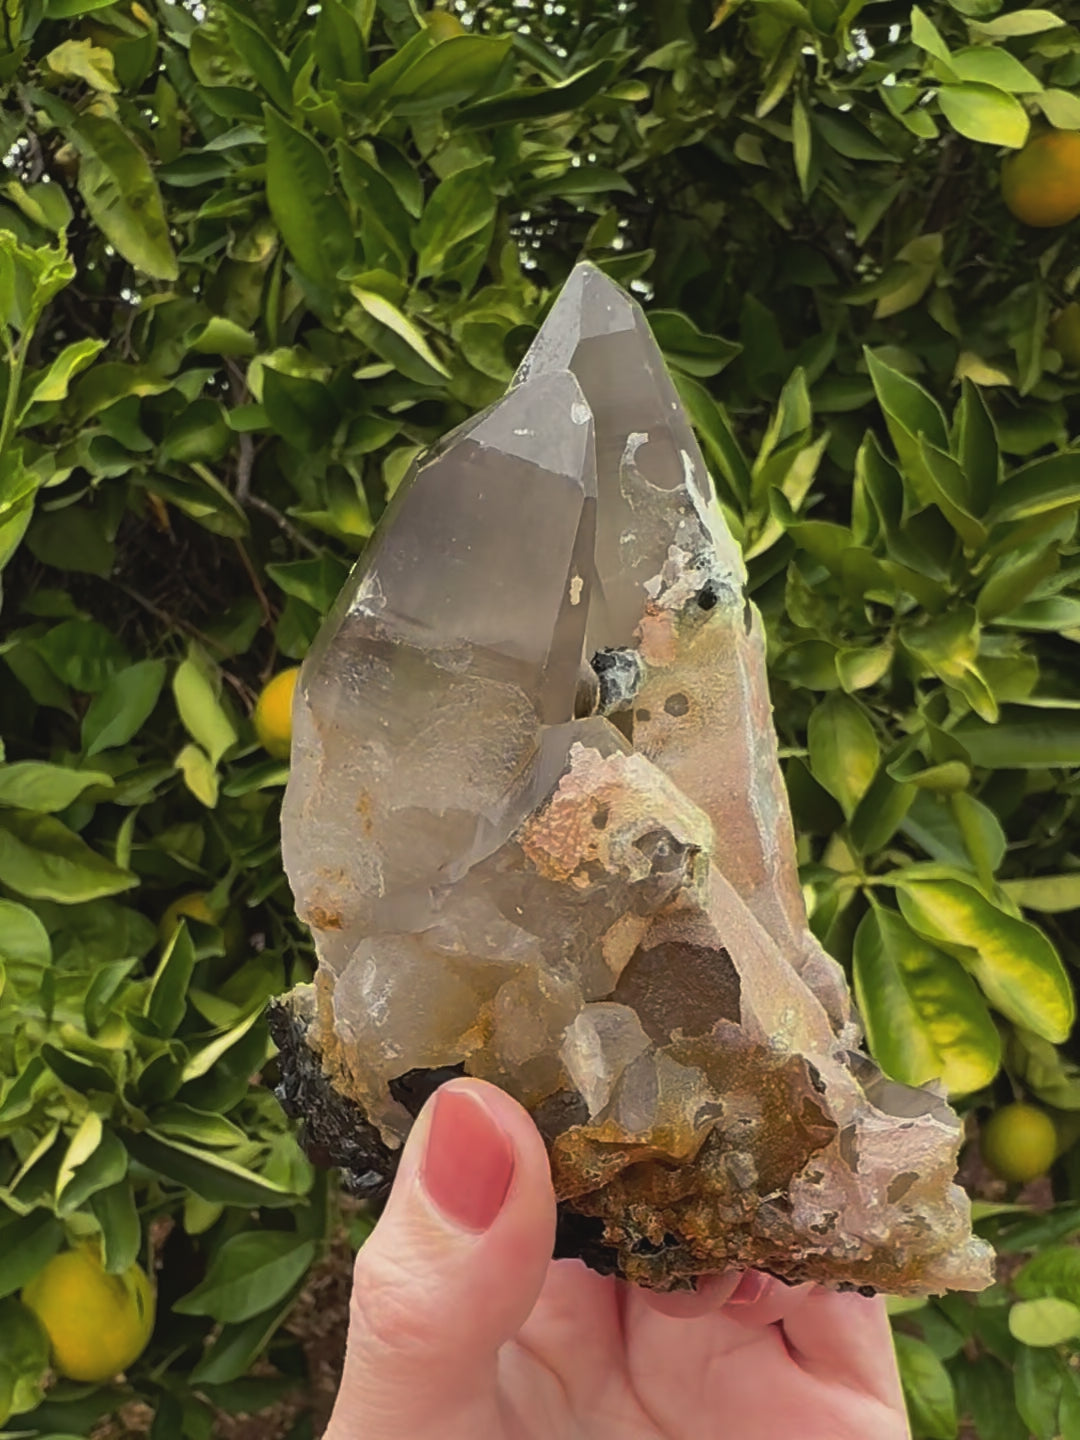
(537, 825)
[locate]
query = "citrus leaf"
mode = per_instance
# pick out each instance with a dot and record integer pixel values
(1017, 968)
(122, 196)
(982, 113)
(248, 1274)
(304, 202)
(844, 749)
(42, 858)
(1044, 1322)
(924, 1016)
(119, 710)
(35, 785)
(197, 689)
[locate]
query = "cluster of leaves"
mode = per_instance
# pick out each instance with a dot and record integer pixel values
(252, 263)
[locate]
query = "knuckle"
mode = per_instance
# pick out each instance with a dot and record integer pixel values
(390, 1308)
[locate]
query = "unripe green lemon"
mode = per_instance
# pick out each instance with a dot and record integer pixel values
(1019, 1142)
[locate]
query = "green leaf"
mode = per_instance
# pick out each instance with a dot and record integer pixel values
(1044, 1322)
(26, 1243)
(1017, 22)
(231, 1354)
(212, 1175)
(1049, 894)
(716, 435)
(42, 858)
(22, 935)
(924, 1016)
(994, 65)
(1038, 1379)
(1061, 108)
(340, 48)
(166, 1000)
(82, 653)
(926, 35)
(928, 1390)
(82, 1075)
(121, 708)
(53, 383)
(384, 313)
(1023, 739)
(982, 113)
(977, 447)
(85, 61)
(304, 202)
(449, 73)
(200, 774)
(461, 206)
(844, 749)
(1038, 488)
(248, 1275)
(1017, 968)
(35, 785)
(122, 196)
(1054, 1271)
(911, 415)
(205, 1059)
(197, 690)
(688, 348)
(802, 143)
(535, 102)
(24, 1353)
(121, 1231)
(1012, 581)
(267, 64)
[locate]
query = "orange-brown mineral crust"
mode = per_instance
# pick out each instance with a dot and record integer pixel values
(537, 824)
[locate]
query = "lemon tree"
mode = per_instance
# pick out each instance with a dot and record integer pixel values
(255, 258)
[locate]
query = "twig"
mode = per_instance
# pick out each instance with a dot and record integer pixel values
(245, 464)
(258, 503)
(256, 584)
(173, 621)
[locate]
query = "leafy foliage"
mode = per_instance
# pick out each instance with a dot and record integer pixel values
(253, 262)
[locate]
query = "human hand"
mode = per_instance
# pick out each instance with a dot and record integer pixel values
(463, 1328)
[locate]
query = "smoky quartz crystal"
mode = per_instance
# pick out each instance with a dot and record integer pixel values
(537, 825)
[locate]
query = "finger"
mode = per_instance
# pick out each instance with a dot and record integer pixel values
(847, 1338)
(713, 1291)
(452, 1269)
(761, 1300)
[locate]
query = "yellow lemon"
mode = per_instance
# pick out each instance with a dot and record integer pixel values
(273, 713)
(97, 1323)
(443, 25)
(1041, 183)
(1065, 335)
(1019, 1142)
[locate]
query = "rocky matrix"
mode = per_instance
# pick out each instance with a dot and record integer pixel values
(537, 825)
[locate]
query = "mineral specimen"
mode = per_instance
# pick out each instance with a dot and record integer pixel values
(537, 825)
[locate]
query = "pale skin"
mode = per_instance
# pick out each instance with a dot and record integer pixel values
(463, 1328)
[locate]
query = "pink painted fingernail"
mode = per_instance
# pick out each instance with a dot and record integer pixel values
(469, 1161)
(751, 1287)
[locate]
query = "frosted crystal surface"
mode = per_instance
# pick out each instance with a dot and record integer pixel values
(537, 825)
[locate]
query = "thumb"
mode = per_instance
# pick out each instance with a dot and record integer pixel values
(451, 1271)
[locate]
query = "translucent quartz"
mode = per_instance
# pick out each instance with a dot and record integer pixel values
(538, 827)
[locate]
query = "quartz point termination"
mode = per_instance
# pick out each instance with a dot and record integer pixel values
(537, 825)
